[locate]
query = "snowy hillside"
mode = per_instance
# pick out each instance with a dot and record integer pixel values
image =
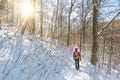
(32, 58)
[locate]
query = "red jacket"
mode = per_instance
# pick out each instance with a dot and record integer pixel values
(76, 55)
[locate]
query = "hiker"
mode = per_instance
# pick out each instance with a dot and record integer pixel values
(76, 57)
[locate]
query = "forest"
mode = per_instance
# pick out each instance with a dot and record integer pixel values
(91, 25)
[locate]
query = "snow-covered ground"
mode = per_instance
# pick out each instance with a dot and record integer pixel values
(32, 58)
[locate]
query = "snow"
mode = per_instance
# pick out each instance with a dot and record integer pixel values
(31, 58)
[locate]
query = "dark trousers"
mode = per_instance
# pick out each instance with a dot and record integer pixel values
(77, 64)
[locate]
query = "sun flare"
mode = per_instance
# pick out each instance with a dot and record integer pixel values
(26, 9)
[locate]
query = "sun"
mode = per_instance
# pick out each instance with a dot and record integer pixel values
(26, 9)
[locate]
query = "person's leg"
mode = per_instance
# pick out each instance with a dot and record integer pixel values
(76, 64)
(77, 61)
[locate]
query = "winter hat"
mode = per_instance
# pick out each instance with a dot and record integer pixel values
(76, 49)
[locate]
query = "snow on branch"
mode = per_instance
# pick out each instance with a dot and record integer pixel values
(103, 28)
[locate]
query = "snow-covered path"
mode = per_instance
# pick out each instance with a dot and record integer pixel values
(32, 58)
(86, 71)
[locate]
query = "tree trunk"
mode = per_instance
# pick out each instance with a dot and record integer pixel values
(94, 33)
(41, 18)
(104, 41)
(61, 20)
(12, 12)
(110, 56)
(68, 38)
(52, 29)
(33, 17)
(56, 20)
(69, 23)
(80, 40)
(83, 26)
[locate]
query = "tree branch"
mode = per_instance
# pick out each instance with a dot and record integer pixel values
(103, 28)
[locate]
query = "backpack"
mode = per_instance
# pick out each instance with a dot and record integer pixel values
(76, 55)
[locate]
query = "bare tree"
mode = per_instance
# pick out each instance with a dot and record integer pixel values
(69, 22)
(12, 11)
(56, 19)
(84, 9)
(52, 29)
(2, 7)
(94, 32)
(104, 41)
(41, 18)
(60, 19)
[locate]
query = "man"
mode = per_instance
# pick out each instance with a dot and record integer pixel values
(76, 57)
